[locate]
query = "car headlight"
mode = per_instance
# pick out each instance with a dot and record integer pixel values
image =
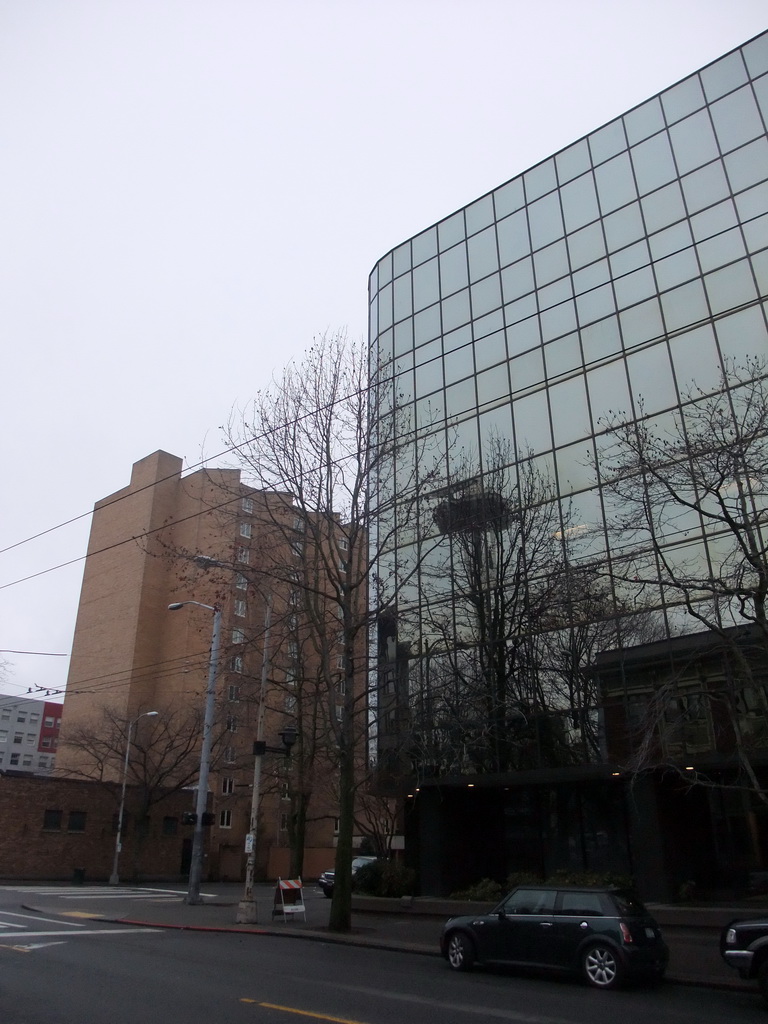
(730, 936)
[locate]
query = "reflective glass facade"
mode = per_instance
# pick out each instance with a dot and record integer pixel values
(606, 279)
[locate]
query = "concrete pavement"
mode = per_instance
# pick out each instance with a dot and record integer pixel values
(411, 926)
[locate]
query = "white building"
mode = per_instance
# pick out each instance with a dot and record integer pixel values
(29, 734)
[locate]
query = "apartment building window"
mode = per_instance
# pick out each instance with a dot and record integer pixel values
(225, 819)
(15, 758)
(227, 785)
(285, 793)
(335, 826)
(76, 821)
(34, 718)
(245, 530)
(293, 650)
(341, 687)
(290, 677)
(58, 723)
(30, 737)
(2, 757)
(343, 545)
(339, 712)
(238, 636)
(236, 665)
(42, 761)
(298, 524)
(240, 608)
(26, 761)
(297, 547)
(232, 723)
(247, 505)
(5, 715)
(3, 735)
(48, 722)
(283, 821)
(52, 821)
(46, 742)
(342, 565)
(243, 555)
(229, 755)
(293, 598)
(18, 737)
(21, 717)
(340, 661)
(290, 703)
(241, 582)
(233, 692)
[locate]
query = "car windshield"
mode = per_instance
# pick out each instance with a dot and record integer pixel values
(628, 904)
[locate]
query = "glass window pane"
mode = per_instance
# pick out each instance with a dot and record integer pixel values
(624, 227)
(641, 323)
(684, 305)
(747, 166)
(517, 279)
(737, 119)
(651, 380)
(513, 239)
(483, 259)
(490, 351)
(756, 233)
(460, 397)
(404, 337)
(554, 294)
(682, 99)
(385, 307)
(730, 287)
(653, 163)
(570, 415)
(401, 259)
(675, 269)
(457, 339)
(596, 304)
(705, 187)
(453, 269)
(592, 276)
(608, 388)
(671, 240)
(714, 220)
(695, 358)
(723, 76)
(451, 230)
(403, 303)
(615, 184)
(521, 309)
(540, 180)
(725, 248)
(492, 385)
(426, 284)
(551, 263)
(607, 141)
(487, 324)
(426, 325)
(545, 220)
(479, 215)
(424, 246)
(761, 91)
(385, 269)
(562, 356)
(458, 365)
(600, 340)
(644, 121)
(456, 310)
(634, 287)
(509, 198)
(527, 370)
(631, 258)
(558, 320)
(663, 207)
(756, 55)
(579, 203)
(486, 295)
(743, 335)
(531, 417)
(753, 203)
(693, 142)
(586, 245)
(572, 161)
(429, 377)
(523, 335)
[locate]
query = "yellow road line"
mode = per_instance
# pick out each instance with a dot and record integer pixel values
(303, 1013)
(78, 913)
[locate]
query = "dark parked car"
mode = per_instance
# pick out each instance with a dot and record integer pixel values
(744, 946)
(325, 881)
(604, 934)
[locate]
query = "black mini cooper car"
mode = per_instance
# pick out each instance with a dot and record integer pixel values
(744, 946)
(606, 935)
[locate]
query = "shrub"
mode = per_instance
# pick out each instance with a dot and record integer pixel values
(564, 877)
(385, 878)
(484, 891)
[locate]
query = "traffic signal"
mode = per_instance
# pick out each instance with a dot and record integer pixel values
(188, 818)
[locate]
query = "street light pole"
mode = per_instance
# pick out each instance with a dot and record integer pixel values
(246, 908)
(196, 864)
(114, 878)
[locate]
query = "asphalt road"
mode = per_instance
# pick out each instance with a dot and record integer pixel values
(72, 970)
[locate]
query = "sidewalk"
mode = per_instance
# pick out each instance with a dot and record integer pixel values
(692, 933)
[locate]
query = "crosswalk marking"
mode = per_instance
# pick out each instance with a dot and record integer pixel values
(89, 931)
(38, 919)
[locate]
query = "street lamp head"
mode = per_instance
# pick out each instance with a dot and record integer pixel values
(175, 606)
(289, 735)
(151, 714)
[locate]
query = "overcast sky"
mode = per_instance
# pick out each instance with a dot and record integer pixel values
(191, 189)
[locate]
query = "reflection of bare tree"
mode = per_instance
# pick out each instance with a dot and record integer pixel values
(691, 509)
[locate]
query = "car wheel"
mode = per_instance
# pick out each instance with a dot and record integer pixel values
(601, 966)
(762, 979)
(461, 953)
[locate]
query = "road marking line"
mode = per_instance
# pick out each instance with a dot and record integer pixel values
(93, 931)
(10, 924)
(306, 1013)
(37, 945)
(44, 920)
(78, 913)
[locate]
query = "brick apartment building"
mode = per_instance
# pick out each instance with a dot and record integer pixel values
(29, 734)
(207, 538)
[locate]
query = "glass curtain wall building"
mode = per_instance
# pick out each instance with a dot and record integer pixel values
(601, 287)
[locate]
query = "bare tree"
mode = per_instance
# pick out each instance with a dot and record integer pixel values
(326, 437)
(690, 510)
